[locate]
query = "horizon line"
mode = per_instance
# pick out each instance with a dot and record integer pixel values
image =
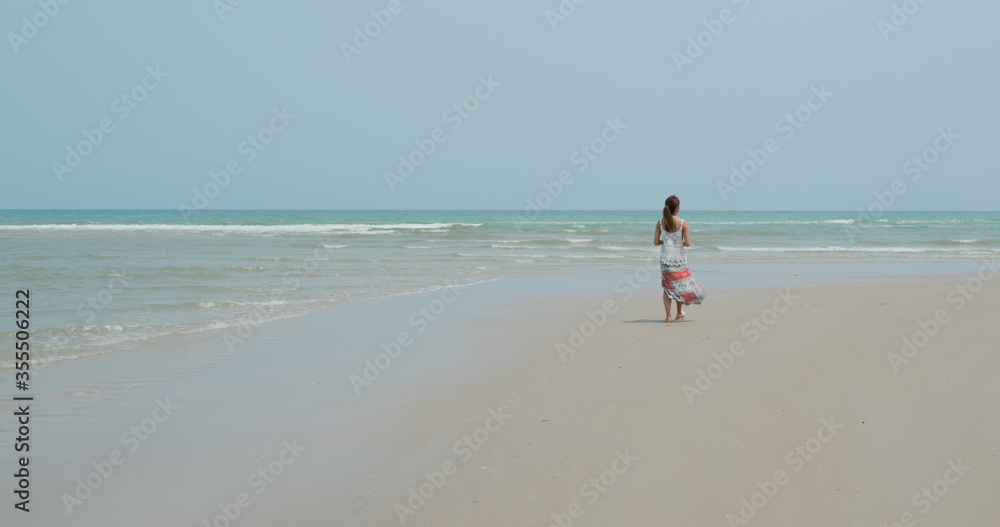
(484, 210)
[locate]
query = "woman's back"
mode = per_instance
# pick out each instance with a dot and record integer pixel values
(672, 251)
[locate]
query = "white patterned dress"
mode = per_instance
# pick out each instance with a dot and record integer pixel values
(677, 280)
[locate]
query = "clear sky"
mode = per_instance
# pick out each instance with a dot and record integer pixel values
(842, 101)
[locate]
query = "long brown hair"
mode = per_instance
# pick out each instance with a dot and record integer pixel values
(669, 210)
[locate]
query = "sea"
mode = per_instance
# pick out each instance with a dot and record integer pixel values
(105, 281)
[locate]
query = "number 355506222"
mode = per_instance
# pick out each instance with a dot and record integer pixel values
(22, 319)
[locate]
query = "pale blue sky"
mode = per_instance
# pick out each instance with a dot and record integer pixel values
(352, 120)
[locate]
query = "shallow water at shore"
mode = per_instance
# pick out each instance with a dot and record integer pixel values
(125, 281)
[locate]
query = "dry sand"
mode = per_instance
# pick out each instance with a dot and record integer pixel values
(812, 425)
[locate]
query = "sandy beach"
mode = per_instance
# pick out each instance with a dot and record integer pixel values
(813, 423)
(765, 406)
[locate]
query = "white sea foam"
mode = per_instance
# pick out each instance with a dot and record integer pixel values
(789, 222)
(230, 303)
(437, 288)
(836, 248)
(615, 248)
(917, 222)
(349, 228)
(779, 222)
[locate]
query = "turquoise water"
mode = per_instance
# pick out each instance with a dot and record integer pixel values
(106, 281)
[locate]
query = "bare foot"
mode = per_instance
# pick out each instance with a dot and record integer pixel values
(680, 315)
(667, 320)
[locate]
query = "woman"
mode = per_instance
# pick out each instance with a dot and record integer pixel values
(673, 238)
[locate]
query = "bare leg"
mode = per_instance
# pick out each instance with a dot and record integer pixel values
(680, 311)
(666, 305)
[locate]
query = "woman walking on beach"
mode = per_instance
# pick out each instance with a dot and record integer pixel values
(673, 238)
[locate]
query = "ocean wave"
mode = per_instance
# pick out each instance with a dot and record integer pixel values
(616, 248)
(579, 240)
(782, 222)
(788, 222)
(836, 248)
(917, 222)
(577, 223)
(437, 288)
(82, 342)
(88, 341)
(345, 228)
(230, 303)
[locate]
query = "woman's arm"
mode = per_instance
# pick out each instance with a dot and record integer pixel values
(656, 235)
(687, 238)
